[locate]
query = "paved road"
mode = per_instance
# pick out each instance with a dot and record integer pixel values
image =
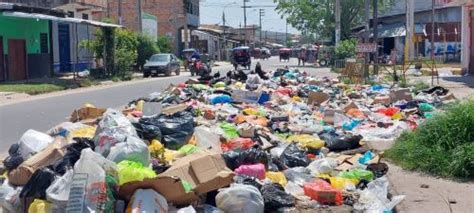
(45, 111)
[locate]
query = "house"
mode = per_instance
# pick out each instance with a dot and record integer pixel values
(31, 41)
(447, 36)
(467, 57)
(158, 17)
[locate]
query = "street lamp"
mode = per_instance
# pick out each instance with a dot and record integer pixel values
(224, 27)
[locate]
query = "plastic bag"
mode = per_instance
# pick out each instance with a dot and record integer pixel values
(147, 200)
(132, 149)
(129, 171)
(73, 153)
(425, 107)
(147, 131)
(220, 99)
(340, 143)
(343, 183)
(234, 159)
(176, 129)
(255, 170)
(207, 139)
(294, 189)
(322, 166)
(357, 174)
(38, 183)
(93, 178)
(14, 159)
(58, 192)
(275, 197)
(40, 206)
(322, 192)
(188, 209)
(294, 156)
(276, 177)
(374, 199)
(10, 197)
(307, 141)
(237, 144)
(379, 169)
(32, 142)
(298, 175)
(230, 130)
(115, 119)
(188, 149)
(366, 158)
(240, 198)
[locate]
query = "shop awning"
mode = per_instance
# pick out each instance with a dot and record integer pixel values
(394, 30)
(58, 19)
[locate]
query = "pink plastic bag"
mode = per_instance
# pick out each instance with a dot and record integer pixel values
(255, 170)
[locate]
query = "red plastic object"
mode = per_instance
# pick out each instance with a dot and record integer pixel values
(323, 192)
(389, 111)
(255, 170)
(238, 143)
(284, 91)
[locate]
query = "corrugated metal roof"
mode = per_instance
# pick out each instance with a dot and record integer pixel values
(59, 19)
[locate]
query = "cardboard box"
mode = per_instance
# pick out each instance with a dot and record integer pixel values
(246, 130)
(205, 171)
(174, 109)
(86, 114)
(317, 98)
(383, 99)
(348, 106)
(329, 115)
(401, 94)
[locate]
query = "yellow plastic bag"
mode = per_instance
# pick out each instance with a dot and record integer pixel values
(85, 132)
(277, 177)
(341, 183)
(307, 141)
(130, 171)
(296, 99)
(40, 206)
(156, 149)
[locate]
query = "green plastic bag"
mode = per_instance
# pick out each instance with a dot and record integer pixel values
(424, 107)
(200, 87)
(188, 149)
(129, 171)
(230, 130)
(219, 85)
(359, 174)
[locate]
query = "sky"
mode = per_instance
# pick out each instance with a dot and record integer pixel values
(211, 13)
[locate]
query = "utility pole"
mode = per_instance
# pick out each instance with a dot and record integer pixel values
(432, 40)
(262, 13)
(139, 8)
(120, 12)
(410, 27)
(186, 36)
(338, 21)
(286, 33)
(376, 32)
(245, 19)
(240, 31)
(223, 34)
(367, 36)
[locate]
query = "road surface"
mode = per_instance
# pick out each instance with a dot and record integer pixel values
(45, 111)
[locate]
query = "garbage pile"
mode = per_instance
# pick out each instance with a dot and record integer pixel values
(290, 143)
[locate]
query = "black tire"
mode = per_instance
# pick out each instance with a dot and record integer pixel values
(323, 62)
(146, 75)
(177, 71)
(236, 66)
(168, 73)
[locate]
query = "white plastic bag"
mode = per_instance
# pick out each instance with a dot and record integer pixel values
(10, 197)
(240, 198)
(88, 191)
(33, 142)
(188, 209)
(322, 166)
(374, 198)
(147, 200)
(112, 129)
(206, 139)
(58, 192)
(294, 189)
(133, 149)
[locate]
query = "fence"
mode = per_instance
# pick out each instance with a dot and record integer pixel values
(340, 63)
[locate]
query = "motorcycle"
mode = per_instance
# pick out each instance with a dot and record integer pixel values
(199, 68)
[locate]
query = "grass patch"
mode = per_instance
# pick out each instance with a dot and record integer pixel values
(442, 146)
(31, 88)
(419, 86)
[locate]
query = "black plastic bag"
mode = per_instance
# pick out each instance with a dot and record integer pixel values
(340, 143)
(13, 161)
(38, 183)
(244, 179)
(175, 129)
(379, 169)
(437, 90)
(293, 156)
(275, 197)
(147, 131)
(234, 159)
(73, 153)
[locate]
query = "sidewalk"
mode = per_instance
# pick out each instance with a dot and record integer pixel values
(461, 86)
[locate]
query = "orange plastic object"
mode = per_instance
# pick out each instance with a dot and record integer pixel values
(323, 192)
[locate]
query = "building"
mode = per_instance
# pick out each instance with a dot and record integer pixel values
(37, 42)
(159, 17)
(467, 57)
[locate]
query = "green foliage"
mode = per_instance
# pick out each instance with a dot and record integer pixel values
(346, 49)
(318, 16)
(145, 49)
(164, 44)
(443, 145)
(420, 85)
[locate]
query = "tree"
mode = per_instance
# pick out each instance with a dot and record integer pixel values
(317, 16)
(164, 44)
(146, 47)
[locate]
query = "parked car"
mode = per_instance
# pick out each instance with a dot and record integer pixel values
(161, 64)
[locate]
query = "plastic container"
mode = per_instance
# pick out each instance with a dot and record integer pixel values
(323, 192)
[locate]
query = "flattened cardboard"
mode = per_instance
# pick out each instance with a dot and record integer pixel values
(317, 98)
(86, 113)
(174, 109)
(348, 106)
(383, 99)
(205, 171)
(401, 94)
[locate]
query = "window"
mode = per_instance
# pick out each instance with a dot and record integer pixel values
(70, 14)
(44, 43)
(85, 16)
